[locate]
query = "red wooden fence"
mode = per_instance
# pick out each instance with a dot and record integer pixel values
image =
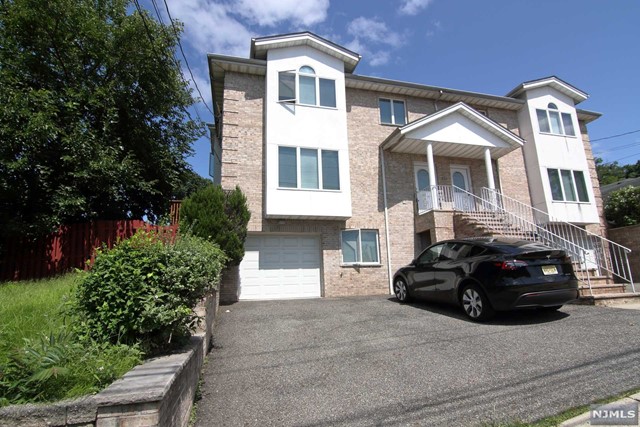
(69, 247)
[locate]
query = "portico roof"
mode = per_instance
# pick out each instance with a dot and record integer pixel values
(456, 131)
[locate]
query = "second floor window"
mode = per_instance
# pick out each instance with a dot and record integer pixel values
(553, 121)
(567, 185)
(308, 168)
(392, 112)
(305, 87)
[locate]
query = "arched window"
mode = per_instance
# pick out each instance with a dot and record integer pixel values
(310, 89)
(307, 81)
(553, 121)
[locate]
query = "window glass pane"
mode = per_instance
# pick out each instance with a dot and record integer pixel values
(553, 106)
(554, 181)
(350, 251)
(543, 122)
(554, 120)
(306, 69)
(398, 113)
(369, 246)
(423, 180)
(568, 124)
(308, 168)
(430, 255)
(567, 184)
(581, 186)
(385, 111)
(327, 93)
(330, 170)
(287, 167)
(286, 86)
(307, 90)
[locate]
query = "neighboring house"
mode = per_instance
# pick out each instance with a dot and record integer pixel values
(348, 177)
(618, 185)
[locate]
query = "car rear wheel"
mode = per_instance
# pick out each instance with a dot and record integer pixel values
(400, 289)
(475, 304)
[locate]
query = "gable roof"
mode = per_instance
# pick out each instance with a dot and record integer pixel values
(408, 138)
(260, 46)
(558, 84)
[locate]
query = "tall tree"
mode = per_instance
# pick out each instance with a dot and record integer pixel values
(608, 173)
(93, 119)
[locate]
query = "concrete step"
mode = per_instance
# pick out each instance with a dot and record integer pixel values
(607, 289)
(610, 299)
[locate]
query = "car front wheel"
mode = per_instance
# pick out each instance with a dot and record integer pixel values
(400, 289)
(475, 304)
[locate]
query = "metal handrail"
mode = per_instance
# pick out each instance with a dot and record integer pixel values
(592, 251)
(605, 254)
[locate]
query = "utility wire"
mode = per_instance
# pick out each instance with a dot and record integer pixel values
(625, 157)
(175, 61)
(153, 47)
(185, 58)
(615, 136)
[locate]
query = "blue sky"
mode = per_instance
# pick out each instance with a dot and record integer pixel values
(481, 46)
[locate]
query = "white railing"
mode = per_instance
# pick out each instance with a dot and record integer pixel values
(595, 256)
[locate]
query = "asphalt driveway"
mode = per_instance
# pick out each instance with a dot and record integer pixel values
(372, 361)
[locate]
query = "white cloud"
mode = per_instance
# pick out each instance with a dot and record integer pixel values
(374, 30)
(268, 13)
(413, 7)
(368, 35)
(209, 28)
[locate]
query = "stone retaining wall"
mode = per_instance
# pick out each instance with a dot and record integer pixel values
(159, 392)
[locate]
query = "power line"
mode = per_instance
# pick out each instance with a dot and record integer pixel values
(186, 62)
(625, 157)
(633, 144)
(615, 136)
(175, 61)
(153, 47)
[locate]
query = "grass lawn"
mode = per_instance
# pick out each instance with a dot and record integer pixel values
(42, 360)
(32, 308)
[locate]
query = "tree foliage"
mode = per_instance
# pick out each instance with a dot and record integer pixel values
(623, 207)
(219, 216)
(608, 173)
(190, 182)
(93, 120)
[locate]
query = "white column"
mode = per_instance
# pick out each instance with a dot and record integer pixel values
(432, 177)
(487, 163)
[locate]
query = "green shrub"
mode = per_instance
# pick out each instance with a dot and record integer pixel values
(623, 207)
(219, 216)
(144, 290)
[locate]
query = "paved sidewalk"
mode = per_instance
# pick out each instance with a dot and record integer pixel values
(584, 419)
(372, 361)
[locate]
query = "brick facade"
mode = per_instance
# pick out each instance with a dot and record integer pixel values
(243, 164)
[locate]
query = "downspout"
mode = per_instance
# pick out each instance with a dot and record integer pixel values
(435, 101)
(386, 221)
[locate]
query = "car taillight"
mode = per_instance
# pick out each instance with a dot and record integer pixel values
(511, 265)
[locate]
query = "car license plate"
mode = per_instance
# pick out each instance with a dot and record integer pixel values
(549, 269)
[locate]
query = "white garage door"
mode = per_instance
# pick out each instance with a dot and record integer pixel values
(278, 267)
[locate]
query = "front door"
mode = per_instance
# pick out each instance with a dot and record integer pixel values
(462, 184)
(423, 187)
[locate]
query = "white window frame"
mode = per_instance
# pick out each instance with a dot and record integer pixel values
(360, 262)
(573, 183)
(296, 99)
(393, 114)
(299, 170)
(560, 113)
